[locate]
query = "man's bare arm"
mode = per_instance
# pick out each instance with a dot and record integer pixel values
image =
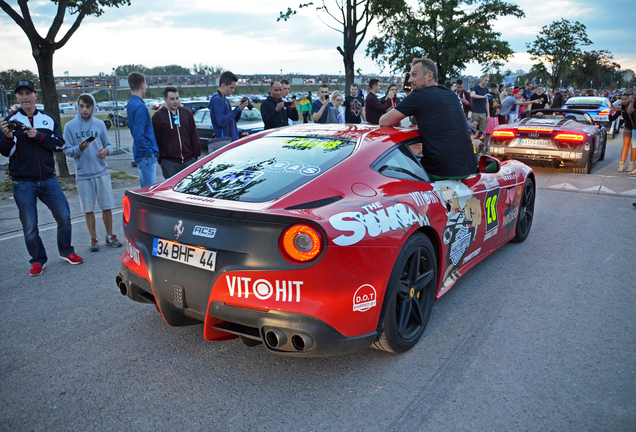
(391, 118)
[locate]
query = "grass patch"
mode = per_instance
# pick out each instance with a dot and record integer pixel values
(123, 175)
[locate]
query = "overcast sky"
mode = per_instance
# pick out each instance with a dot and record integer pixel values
(243, 36)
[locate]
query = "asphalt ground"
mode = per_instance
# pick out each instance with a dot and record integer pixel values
(540, 336)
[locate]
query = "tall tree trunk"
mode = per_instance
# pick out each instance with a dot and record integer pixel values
(349, 43)
(43, 55)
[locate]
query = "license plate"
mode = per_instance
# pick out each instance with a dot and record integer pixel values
(190, 255)
(534, 142)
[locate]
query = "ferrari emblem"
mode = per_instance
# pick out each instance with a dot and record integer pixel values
(178, 230)
(412, 292)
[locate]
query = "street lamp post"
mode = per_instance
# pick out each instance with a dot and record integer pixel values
(207, 89)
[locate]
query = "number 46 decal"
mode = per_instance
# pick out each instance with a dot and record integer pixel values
(491, 209)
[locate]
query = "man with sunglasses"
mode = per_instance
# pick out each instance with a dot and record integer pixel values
(145, 151)
(176, 134)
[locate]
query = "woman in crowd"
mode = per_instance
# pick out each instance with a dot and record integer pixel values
(628, 126)
(396, 100)
(337, 112)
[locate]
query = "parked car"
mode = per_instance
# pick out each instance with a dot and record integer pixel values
(249, 123)
(564, 138)
(195, 106)
(598, 108)
(316, 240)
(66, 108)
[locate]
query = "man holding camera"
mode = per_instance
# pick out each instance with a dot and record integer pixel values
(30, 138)
(223, 117)
(176, 133)
(288, 106)
(320, 108)
(276, 112)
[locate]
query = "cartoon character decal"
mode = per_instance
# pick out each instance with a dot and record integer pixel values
(464, 216)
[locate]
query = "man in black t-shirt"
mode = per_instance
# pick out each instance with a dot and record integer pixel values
(354, 106)
(447, 151)
(539, 95)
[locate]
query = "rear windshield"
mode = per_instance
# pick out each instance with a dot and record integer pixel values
(266, 168)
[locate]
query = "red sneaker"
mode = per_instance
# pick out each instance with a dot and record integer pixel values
(72, 259)
(36, 269)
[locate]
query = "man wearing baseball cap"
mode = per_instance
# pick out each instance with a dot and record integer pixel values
(30, 138)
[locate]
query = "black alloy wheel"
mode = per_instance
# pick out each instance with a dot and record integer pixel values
(526, 212)
(409, 298)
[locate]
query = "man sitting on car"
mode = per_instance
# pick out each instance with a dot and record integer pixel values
(447, 151)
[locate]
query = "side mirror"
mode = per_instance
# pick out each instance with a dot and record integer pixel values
(489, 165)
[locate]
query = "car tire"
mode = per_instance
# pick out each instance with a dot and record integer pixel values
(409, 297)
(602, 156)
(587, 168)
(526, 212)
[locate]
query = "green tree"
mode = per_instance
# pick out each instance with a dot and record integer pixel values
(451, 33)
(168, 70)
(43, 48)
(596, 67)
(9, 77)
(204, 69)
(557, 46)
(124, 70)
(349, 17)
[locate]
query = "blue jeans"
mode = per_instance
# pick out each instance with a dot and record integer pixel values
(147, 170)
(26, 194)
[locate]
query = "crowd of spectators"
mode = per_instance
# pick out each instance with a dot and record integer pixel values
(170, 137)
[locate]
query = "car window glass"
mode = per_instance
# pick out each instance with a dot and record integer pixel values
(198, 116)
(266, 168)
(402, 164)
(251, 115)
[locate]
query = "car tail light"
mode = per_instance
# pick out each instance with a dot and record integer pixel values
(604, 112)
(532, 129)
(126, 205)
(503, 134)
(301, 243)
(570, 137)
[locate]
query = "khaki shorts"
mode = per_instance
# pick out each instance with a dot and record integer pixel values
(481, 119)
(98, 189)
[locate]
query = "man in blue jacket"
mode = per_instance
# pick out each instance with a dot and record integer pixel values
(223, 117)
(30, 138)
(145, 150)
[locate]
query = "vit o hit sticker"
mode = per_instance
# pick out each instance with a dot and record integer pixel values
(364, 298)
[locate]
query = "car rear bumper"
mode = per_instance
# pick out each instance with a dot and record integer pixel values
(575, 158)
(286, 333)
(282, 332)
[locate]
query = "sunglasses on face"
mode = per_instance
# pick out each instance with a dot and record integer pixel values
(176, 119)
